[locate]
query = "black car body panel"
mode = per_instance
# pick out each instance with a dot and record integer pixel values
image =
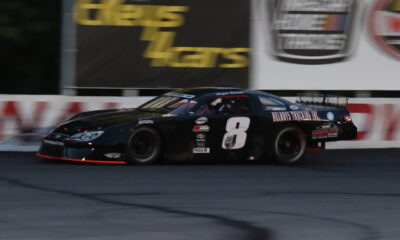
(200, 123)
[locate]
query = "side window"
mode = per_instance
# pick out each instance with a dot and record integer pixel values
(238, 105)
(270, 104)
(226, 105)
(181, 106)
(206, 109)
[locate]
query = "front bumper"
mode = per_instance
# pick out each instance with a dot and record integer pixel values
(92, 154)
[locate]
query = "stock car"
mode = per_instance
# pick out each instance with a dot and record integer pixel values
(202, 123)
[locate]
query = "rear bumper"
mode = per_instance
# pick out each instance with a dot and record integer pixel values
(349, 132)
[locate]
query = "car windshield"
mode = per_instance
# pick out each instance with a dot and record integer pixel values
(168, 104)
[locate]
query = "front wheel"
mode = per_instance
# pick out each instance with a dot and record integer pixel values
(289, 145)
(144, 146)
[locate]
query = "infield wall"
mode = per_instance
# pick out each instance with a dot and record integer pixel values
(25, 119)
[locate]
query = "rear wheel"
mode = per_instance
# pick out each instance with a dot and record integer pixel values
(289, 145)
(144, 146)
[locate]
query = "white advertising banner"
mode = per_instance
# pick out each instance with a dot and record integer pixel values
(325, 45)
(24, 120)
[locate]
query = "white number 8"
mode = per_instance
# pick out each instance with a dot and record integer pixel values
(235, 136)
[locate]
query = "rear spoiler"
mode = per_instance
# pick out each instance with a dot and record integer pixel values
(325, 100)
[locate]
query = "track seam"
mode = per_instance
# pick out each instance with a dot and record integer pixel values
(251, 231)
(337, 193)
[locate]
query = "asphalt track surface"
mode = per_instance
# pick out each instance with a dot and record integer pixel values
(337, 194)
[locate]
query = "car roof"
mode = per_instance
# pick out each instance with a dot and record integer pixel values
(209, 90)
(201, 92)
(205, 90)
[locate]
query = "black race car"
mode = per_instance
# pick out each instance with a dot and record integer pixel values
(202, 123)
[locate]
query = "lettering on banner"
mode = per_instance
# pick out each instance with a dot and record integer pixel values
(160, 48)
(372, 115)
(392, 120)
(312, 31)
(369, 119)
(10, 111)
(111, 105)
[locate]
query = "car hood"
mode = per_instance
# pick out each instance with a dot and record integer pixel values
(104, 120)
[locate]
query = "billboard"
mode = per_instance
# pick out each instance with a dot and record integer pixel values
(325, 44)
(161, 44)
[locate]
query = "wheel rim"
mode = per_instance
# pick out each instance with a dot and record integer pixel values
(289, 145)
(142, 145)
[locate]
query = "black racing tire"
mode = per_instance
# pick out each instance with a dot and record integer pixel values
(144, 146)
(288, 145)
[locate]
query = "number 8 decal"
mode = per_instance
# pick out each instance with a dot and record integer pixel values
(236, 135)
